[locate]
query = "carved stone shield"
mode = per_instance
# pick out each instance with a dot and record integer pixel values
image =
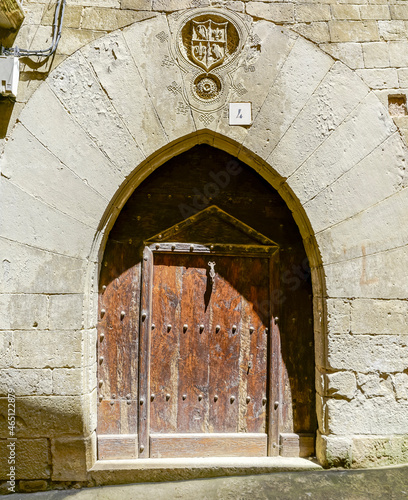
(209, 43)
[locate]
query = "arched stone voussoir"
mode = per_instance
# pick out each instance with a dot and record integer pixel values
(119, 108)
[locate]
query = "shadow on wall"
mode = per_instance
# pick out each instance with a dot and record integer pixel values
(6, 110)
(46, 444)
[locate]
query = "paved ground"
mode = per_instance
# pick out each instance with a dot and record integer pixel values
(385, 483)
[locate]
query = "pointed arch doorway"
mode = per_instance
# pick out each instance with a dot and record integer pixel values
(193, 360)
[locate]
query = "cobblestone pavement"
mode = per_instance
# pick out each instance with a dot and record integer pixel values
(385, 483)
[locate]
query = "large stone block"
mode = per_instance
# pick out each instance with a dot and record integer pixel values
(26, 382)
(74, 148)
(28, 220)
(381, 415)
(32, 459)
(329, 105)
(299, 76)
(45, 416)
(159, 75)
(73, 39)
(257, 60)
(171, 5)
(317, 32)
(23, 311)
(368, 126)
(77, 88)
(375, 12)
(338, 315)
(27, 269)
(368, 353)
(90, 344)
(350, 53)
(66, 312)
(383, 78)
(68, 381)
(375, 451)
(371, 384)
(376, 55)
(28, 164)
(341, 384)
(117, 73)
(345, 11)
(400, 381)
(403, 77)
(34, 14)
(114, 4)
(72, 16)
(71, 458)
(369, 276)
(136, 4)
(333, 451)
(96, 18)
(350, 195)
(277, 12)
(379, 316)
(90, 406)
(307, 13)
(392, 30)
(6, 349)
(398, 54)
(374, 230)
(46, 349)
(353, 31)
(399, 11)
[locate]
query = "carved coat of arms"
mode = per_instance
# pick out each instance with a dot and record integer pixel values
(209, 43)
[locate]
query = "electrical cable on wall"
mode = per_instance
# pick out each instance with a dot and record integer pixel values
(56, 35)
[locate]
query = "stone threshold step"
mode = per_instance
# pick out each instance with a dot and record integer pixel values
(176, 469)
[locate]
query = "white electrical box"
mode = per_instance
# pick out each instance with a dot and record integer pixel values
(9, 75)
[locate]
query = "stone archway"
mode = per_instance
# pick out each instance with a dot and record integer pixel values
(189, 368)
(114, 112)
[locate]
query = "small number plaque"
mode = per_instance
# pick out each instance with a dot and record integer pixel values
(240, 113)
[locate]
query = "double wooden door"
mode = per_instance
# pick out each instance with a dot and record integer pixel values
(207, 377)
(196, 358)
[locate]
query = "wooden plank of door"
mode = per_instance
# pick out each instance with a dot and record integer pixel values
(164, 355)
(144, 353)
(224, 347)
(258, 295)
(193, 375)
(274, 358)
(117, 446)
(118, 332)
(208, 445)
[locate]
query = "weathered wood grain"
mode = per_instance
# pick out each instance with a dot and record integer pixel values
(118, 352)
(117, 447)
(164, 379)
(209, 445)
(224, 346)
(194, 349)
(275, 361)
(144, 353)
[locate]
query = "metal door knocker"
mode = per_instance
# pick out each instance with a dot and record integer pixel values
(212, 273)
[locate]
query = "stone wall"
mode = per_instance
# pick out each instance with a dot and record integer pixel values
(97, 125)
(368, 36)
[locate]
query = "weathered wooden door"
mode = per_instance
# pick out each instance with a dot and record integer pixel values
(162, 386)
(207, 384)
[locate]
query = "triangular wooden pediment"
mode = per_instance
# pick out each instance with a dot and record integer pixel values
(212, 226)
